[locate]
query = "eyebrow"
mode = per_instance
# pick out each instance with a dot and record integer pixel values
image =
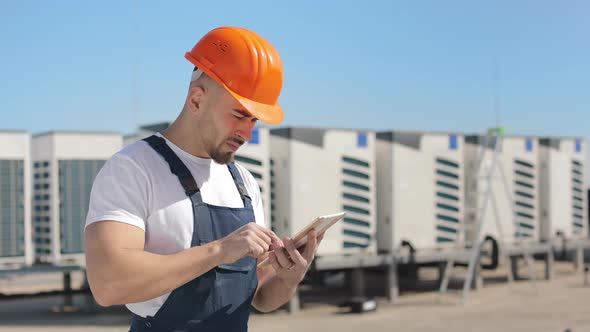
(245, 113)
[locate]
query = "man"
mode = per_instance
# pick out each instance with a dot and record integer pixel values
(175, 228)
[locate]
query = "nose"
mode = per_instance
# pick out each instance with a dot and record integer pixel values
(245, 129)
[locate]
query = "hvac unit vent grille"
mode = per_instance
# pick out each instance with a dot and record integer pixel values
(12, 219)
(75, 182)
(252, 165)
(272, 196)
(41, 208)
(255, 167)
(356, 201)
(447, 200)
(524, 198)
(578, 205)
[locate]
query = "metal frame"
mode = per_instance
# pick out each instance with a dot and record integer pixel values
(474, 261)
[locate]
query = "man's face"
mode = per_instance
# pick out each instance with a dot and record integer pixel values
(227, 126)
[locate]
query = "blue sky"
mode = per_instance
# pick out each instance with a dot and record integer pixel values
(418, 65)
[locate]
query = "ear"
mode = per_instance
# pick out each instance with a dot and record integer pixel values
(195, 98)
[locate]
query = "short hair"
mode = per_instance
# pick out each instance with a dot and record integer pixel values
(196, 74)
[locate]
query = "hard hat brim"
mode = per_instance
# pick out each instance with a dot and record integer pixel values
(271, 114)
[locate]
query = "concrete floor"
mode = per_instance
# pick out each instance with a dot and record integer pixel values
(557, 305)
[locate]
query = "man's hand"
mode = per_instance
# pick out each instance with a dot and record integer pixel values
(248, 240)
(291, 264)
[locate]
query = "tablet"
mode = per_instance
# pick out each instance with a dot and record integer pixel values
(320, 224)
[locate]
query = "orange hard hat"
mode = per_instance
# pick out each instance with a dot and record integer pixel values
(246, 65)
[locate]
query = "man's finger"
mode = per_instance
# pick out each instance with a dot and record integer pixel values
(274, 245)
(274, 262)
(269, 233)
(321, 237)
(311, 245)
(282, 258)
(256, 246)
(294, 253)
(261, 243)
(260, 232)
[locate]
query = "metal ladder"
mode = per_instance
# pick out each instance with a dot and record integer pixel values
(488, 196)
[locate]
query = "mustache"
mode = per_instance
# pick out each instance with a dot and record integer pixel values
(237, 140)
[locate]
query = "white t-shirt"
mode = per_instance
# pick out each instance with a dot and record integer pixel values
(137, 187)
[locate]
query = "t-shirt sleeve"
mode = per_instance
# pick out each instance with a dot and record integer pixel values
(254, 191)
(119, 193)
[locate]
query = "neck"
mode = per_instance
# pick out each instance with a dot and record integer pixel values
(186, 137)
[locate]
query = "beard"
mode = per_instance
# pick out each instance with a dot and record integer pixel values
(219, 153)
(222, 157)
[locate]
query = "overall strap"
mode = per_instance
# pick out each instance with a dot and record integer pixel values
(177, 167)
(235, 174)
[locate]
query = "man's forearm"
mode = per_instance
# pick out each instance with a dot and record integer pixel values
(273, 294)
(136, 275)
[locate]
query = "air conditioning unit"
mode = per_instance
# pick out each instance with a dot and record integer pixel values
(323, 171)
(15, 199)
(65, 165)
(513, 214)
(563, 196)
(420, 190)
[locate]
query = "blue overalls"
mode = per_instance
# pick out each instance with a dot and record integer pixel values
(220, 299)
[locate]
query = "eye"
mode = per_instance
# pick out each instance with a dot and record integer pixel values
(242, 115)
